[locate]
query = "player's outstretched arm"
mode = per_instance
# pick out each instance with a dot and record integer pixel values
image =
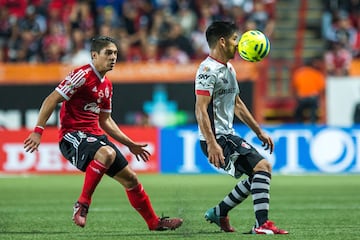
(111, 128)
(48, 106)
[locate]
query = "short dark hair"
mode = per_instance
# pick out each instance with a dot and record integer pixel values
(219, 29)
(98, 43)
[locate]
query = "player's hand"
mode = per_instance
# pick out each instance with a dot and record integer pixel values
(32, 142)
(140, 152)
(267, 142)
(215, 155)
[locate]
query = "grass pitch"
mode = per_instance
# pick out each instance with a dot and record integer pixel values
(310, 207)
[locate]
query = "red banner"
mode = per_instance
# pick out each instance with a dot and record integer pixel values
(48, 159)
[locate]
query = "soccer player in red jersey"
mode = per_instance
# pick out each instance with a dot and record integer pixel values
(85, 115)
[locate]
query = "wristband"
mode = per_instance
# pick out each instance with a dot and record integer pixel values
(39, 130)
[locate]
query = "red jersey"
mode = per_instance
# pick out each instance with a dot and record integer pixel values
(86, 94)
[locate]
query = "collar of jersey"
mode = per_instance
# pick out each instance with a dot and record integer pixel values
(102, 79)
(214, 59)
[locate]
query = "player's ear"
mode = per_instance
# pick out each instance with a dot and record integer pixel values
(93, 54)
(222, 41)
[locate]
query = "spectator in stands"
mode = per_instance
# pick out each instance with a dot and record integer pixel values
(150, 52)
(25, 42)
(341, 30)
(238, 16)
(173, 54)
(176, 38)
(186, 16)
(140, 22)
(308, 84)
(337, 59)
(6, 28)
(79, 53)
(56, 43)
(108, 10)
(206, 16)
(128, 52)
(263, 16)
(82, 18)
(199, 43)
(356, 23)
(17, 8)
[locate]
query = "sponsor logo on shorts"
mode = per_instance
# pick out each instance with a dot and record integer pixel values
(245, 145)
(91, 139)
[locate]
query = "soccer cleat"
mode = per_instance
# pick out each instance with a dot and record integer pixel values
(80, 212)
(268, 228)
(166, 223)
(222, 222)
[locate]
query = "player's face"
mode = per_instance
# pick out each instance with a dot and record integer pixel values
(232, 44)
(105, 60)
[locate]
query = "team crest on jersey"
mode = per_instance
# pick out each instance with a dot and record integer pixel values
(206, 69)
(107, 92)
(91, 139)
(245, 145)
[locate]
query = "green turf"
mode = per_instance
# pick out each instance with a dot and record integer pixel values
(310, 207)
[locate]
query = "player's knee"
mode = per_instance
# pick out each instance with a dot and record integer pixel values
(263, 166)
(106, 155)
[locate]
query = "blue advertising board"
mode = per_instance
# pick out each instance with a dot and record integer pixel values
(298, 149)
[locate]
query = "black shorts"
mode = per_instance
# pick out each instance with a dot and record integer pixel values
(80, 148)
(247, 155)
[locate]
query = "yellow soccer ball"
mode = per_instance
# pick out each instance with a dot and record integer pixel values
(253, 46)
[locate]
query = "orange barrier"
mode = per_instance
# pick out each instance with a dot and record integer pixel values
(122, 73)
(355, 68)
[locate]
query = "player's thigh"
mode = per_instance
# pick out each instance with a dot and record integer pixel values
(249, 159)
(119, 162)
(80, 148)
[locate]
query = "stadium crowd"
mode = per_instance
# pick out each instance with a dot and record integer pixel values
(341, 31)
(54, 31)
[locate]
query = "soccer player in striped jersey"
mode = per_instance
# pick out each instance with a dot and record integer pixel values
(85, 117)
(217, 102)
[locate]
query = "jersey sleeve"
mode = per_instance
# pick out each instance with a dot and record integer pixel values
(204, 82)
(72, 82)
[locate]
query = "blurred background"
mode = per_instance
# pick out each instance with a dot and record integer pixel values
(306, 92)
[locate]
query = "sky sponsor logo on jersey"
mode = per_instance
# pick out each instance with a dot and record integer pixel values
(203, 76)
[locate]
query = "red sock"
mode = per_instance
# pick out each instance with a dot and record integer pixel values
(93, 174)
(141, 202)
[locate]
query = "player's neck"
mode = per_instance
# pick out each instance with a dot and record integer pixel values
(100, 70)
(218, 56)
